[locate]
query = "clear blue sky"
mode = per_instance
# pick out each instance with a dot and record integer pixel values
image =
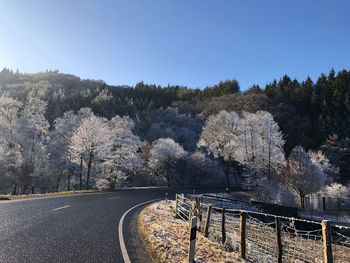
(187, 42)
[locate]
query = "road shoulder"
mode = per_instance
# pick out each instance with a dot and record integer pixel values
(134, 242)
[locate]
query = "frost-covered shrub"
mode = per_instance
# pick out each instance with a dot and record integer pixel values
(328, 169)
(103, 184)
(164, 156)
(336, 190)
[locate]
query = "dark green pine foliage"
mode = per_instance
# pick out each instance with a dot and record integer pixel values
(338, 152)
(326, 102)
(224, 87)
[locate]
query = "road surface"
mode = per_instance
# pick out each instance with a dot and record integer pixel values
(74, 228)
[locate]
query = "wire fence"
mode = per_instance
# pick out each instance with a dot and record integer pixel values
(341, 243)
(326, 203)
(260, 237)
(336, 210)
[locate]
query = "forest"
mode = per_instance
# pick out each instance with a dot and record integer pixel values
(283, 141)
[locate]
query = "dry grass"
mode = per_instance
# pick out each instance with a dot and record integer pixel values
(167, 238)
(29, 196)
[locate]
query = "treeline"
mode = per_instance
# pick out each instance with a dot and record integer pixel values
(82, 150)
(65, 92)
(326, 102)
(315, 115)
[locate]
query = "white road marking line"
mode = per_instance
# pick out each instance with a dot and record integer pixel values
(113, 197)
(120, 231)
(60, 208)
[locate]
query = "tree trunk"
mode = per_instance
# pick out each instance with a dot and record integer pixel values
(167, 173)
(227, 175)
(88, 171)
(269, 165)
(81, 174)
(68, 186)
(58, 180)
(302, 201)
(167, 177)
(235, 172)
(14, 189)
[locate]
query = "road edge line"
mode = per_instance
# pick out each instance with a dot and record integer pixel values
(120, 231)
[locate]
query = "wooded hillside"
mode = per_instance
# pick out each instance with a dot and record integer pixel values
(315, 115)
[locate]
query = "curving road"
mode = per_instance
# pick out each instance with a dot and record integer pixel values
(74, 228)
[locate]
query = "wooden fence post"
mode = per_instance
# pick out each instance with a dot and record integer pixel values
(193, 232)
(199, 216)
(176, 206)
(195, 206)
(242, 244)
(223, 231)
(278, 239)
(327, 241)
(190, 211)
(207, 222)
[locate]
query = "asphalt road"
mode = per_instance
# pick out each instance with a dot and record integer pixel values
(74, 228)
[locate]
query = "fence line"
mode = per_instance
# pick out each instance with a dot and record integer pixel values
(326, 203)
(261, 237)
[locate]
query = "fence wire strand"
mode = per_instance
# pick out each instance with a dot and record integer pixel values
(301, 239)
(341, 244)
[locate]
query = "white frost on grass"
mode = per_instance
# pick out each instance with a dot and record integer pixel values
(168, 237)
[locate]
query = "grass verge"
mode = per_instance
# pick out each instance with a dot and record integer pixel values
(29, 196)
(167, 238)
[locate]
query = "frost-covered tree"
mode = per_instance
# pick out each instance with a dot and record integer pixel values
(58, 145)
(33, 137)
(262, 147)
(336, 190)
(23, 144)
(254, 140)
(9, 110)
(271, 143)
(60, 136)
(301, 175)
(10, 152)
(221, 138)
(90, 142)
(164, 155)
(122, 158)
(329, 170)
(250, 143)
